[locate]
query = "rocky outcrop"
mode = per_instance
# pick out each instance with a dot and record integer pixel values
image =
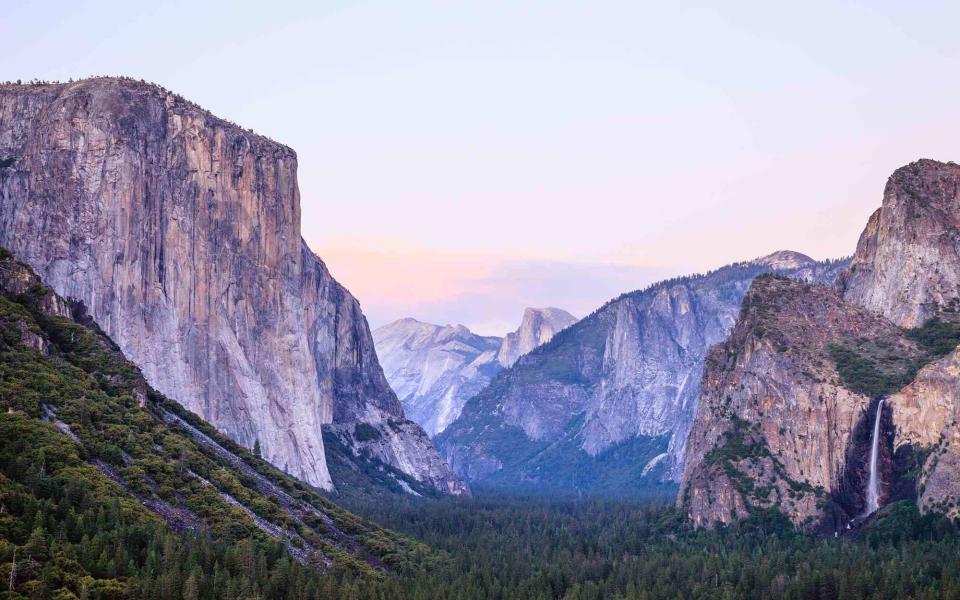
(614, 393)
(401, 444)
(16, 279)
(926, 415)
(907, 268)
(907, 262)
(789, 401)
(435, 369)
(537, 327)
(180, 233)
(776, 425)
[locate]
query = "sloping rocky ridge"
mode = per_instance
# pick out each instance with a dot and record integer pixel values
(607, 403)
(924, 421)
(788, 403)
(77, 410)
(435, 369)
(180, 233)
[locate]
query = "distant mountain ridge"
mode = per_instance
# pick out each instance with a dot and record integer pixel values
(607, 403)
(435, 369)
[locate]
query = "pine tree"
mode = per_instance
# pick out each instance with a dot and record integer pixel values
(191, 589)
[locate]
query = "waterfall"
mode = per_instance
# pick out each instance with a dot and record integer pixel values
(873, 484)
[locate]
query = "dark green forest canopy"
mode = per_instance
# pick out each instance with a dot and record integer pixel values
(535, 548)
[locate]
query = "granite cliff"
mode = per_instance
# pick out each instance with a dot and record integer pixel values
(435, 369)
(789, 402)
(537, 327)
(607, 403)
(907, 263)
(180, 234)
(777, 426)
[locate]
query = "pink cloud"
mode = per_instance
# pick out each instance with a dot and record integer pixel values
(485, 292)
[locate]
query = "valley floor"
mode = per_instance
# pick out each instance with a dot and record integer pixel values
(494, 547)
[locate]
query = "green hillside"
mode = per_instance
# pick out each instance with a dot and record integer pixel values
(110, 490)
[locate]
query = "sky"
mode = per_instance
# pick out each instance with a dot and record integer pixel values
(459, 161)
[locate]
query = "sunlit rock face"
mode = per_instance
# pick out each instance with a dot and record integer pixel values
(180, 232)
(537, 327)
(780, 426)
(614, 393)
(907, 263)
(776, 426)
(435, 369)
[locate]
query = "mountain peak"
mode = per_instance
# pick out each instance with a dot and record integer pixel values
(784, 259)
(907, 261)
(435, 369)
(537, 327)
(549, 312)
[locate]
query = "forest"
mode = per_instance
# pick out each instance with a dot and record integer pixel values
(535, 548)
(108, 490)
(492, 547)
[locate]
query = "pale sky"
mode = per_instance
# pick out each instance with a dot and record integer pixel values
(462, 160)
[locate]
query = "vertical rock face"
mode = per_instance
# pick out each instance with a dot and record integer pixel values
(614, 393)
(907, 268)
(926, 415)
(435, 369)
(180, 233)
(907, 262)
(789, 428)
(776, 426)
(538, 327)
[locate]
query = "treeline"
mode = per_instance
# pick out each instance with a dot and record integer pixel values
(493, 548)
(537, 549)
(108, 501)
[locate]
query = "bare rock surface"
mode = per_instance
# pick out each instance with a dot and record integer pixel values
(537, 327)
(926, 415)
(435, 369)
(776, 426)
(907, 262)
(789, 400)
(180, 233)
